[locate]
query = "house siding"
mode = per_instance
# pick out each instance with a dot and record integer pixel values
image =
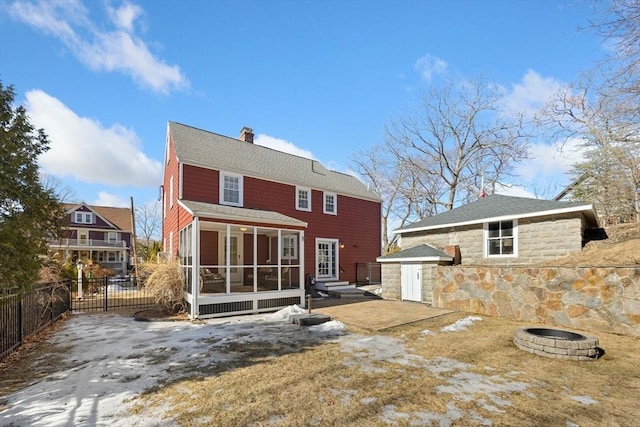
(172, 214)
(539, 239)
(200, 184)
(357, 223)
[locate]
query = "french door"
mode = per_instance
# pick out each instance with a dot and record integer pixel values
(326, 259)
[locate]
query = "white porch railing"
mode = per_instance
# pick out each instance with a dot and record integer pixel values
(87, 243)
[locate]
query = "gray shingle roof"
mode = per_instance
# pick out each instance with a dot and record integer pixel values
(209, 210)
(497, 206)
(207, 149)
(423, 251)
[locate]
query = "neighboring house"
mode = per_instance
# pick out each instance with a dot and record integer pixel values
(97, 233)
(250, 224)
(495, 230)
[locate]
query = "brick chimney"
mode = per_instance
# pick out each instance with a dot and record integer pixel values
(246, 135)
(454, 251)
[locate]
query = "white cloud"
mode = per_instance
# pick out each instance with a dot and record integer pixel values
(514, 190)
(532, 93)
(118, 49)
(282, 145)
(113, 200)
(429, 65)
(125, 16)
(550, 159)
(85, 150)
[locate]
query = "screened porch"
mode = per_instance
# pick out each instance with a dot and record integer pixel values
(235, 268)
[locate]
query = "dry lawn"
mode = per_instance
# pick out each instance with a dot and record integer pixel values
(417, 376)
(621, 248)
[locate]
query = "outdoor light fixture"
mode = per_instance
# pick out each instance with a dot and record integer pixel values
(341, 245)
(243, 228)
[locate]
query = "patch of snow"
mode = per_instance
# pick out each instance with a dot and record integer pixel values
(115, 359)
(332, 327)
(284, 313)
(585, 400)
(461, 324)
(427, 332)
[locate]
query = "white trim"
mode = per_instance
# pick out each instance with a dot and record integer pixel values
(298, 190)
(180, 179)
(171, 192)
(415, 259)
(324, 203)
(576, 209)
(240, 189)
(195, 265)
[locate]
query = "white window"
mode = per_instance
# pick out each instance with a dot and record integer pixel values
(330, 203)
(171, 192)
(289, 247)
(83, 218)
(112, 237)
(303, 199)
(230, 189)
(111, 256)
(501, 238)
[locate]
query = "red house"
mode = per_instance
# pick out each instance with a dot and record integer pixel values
(249, 224)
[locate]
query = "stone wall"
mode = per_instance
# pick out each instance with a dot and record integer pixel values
(596, 299)
(538, 239)
(390, 277)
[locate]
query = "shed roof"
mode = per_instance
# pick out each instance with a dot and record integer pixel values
(210, 150)
(497, 207)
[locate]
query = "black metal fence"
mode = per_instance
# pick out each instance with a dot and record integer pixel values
(104, 293)
(24, 315)
(368, 273)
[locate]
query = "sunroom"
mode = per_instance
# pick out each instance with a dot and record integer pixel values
(239, 260)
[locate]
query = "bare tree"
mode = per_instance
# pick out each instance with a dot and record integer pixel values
(148, 227)
(458, 138)
(389, 181)
(618, 22)
(610, 142)
(439, 155)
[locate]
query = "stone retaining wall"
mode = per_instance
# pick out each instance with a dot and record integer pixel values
(596, 299)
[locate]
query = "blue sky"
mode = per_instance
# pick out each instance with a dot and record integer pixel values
(317, 78)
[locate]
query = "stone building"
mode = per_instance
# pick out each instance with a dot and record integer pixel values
(496, 230)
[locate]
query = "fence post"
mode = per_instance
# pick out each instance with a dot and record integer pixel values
(106, 293)
(21, 320)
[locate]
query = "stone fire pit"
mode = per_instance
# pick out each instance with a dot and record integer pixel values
(557, 343)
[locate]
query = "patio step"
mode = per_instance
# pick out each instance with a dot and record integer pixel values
(308, 319)
(334, 286)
